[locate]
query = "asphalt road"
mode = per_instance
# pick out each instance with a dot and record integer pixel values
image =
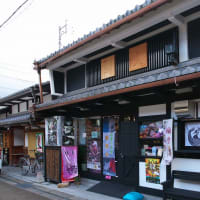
(14, 192)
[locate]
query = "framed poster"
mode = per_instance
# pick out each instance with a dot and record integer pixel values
(152, 170)
(94, 155)
(53, 127)
(68, 136)
(192, 134)
(151, 129)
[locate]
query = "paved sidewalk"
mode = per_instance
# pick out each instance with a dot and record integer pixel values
(78, 192)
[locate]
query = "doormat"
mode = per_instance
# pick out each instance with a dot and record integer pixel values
(111, 189)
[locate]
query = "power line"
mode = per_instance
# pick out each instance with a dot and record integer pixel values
(18, 8)
(10, 77)
(15, 70)
(8, 88)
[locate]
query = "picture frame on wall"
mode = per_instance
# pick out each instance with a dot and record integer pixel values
(192, 135)
(151, 130)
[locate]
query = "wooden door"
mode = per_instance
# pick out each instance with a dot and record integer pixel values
(53, 164)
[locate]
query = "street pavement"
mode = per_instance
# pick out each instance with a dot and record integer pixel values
(14, 192)
(32, 187)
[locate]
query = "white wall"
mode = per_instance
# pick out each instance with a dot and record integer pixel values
(152, 110)
(14, 109)
(142, 177)
(22, 107)
(18, 137)
(186, 164)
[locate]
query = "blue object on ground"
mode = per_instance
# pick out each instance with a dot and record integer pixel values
(133, 196)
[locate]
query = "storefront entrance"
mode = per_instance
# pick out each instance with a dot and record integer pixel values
(126, 156)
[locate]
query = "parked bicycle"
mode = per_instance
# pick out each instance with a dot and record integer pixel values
(28, 164)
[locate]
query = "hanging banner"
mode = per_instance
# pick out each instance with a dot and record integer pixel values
(167, 142)
(69, 162)
(152, 170)
(39, 142)
(109, 167)
(94, 155)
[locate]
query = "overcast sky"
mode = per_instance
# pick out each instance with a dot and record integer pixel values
(33, 33)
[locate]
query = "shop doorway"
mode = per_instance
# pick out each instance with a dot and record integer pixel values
(127, 169)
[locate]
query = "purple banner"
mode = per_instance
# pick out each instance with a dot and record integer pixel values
(69, 162)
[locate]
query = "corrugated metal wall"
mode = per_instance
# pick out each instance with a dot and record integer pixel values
(157, 58)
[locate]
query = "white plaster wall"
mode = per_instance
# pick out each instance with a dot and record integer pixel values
(2, 116)
(152, 110)
(47, 98)
(22, 107)
(192, 165)
(142, 178)
(14, 109)
(18, 137)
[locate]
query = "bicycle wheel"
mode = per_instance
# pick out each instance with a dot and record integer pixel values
(24, 167)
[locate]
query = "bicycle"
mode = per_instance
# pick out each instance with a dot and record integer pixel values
(31, 165)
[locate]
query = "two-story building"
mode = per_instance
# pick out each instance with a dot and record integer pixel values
(126, 79)
(19, 127)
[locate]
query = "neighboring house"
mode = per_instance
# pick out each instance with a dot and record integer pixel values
(131, 73)
(18, 125)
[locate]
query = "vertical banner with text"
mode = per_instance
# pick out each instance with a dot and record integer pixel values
(69, 162)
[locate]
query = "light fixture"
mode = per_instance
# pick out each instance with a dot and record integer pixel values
(84, 109)
(99, 104)
(183, 90)
(123, 102)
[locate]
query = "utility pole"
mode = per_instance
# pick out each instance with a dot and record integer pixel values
(62, 31)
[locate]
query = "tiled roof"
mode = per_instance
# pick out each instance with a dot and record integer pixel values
(104, 26)
(15, 119)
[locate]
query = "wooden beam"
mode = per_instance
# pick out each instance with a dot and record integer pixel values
(40, 84)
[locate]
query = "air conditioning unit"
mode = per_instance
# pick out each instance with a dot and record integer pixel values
(184, 109)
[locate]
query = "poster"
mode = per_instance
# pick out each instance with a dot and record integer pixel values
(192, 134)
(68, 137)
(69, 162)
(94, 155)
(39, 142)
(109, 167)
(151, 130)
(167, 142)
(152, 170)
(53, 131)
